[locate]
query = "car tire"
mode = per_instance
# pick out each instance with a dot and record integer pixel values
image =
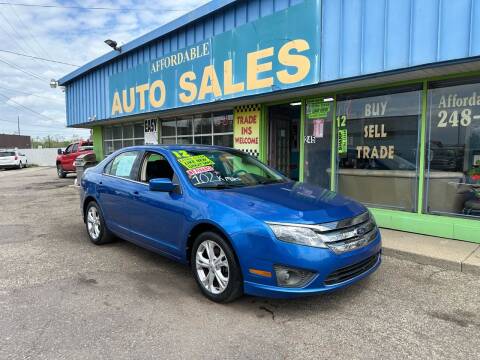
(210, 275)
(61, 174)
(95, 224)
(20, 165)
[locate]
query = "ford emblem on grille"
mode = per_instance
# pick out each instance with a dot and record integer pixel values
(361, 231)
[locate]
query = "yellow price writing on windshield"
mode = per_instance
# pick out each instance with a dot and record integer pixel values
(194, 162)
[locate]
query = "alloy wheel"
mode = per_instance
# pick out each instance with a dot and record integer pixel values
(212, 267)
(93, 222)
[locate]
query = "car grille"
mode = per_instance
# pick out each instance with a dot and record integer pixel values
(349, 272)
(348, 234)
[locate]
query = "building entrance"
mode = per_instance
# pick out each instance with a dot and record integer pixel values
(284, 139)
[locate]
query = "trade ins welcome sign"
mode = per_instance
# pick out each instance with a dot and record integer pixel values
(275, 52)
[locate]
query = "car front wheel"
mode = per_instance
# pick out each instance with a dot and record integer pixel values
(215, 268)
(96, 229)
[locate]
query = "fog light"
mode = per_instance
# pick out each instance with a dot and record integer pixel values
(289, 277)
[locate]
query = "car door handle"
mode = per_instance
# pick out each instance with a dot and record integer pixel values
(135, 192)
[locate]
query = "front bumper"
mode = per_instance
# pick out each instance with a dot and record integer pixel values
(323, 262)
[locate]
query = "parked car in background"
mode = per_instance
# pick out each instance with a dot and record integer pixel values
(242, 226)
(12, 159)
(66, 158)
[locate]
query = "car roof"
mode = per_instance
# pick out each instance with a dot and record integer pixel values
(178, 147)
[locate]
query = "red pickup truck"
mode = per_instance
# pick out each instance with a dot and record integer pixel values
(66, 158)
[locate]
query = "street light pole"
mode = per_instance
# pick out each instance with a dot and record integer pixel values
(18, 124)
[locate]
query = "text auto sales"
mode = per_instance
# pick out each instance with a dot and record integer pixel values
(196, 86)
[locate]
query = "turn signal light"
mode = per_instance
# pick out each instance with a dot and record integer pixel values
(260, 272)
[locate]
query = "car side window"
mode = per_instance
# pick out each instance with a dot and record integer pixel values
(74, 148)
(68, 150)
(123, 165)
(156, 166)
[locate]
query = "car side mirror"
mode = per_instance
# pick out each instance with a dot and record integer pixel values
(59, 151)
(162, 184)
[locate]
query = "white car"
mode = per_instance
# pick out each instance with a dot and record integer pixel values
(12, 159)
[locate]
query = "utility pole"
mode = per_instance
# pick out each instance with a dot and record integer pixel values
(18, 124)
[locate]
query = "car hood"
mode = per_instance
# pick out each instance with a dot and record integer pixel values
(291, 202)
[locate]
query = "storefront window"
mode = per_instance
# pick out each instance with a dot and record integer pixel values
(203, 140)
(184, 126)
(118, 136)
(223, 140)
(128, 131)
(378, 139)
(139, 131)
(453, 167)
(168, 141)
(184, 140)
(202, 124)
(222, 122)
(168, 128)
(205, 129)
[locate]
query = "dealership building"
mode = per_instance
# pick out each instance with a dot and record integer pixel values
(376, 99)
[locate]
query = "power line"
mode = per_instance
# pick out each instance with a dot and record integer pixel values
(86, 7)
(27, 29)
(30, 125)
(17, 33)
(14, 39)
(30, 94)
(38, 77)
(37, 57)
(26, 107)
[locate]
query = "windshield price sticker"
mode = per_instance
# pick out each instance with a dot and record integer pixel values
(200, 170)
(195, 162)
(205, 178)
(180, 154)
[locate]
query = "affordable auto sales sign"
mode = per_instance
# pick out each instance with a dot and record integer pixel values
(275, 52)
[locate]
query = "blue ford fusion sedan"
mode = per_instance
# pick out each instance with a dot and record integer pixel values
(240, 225)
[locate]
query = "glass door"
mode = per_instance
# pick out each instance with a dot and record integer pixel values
(318, 141)
(283, 150)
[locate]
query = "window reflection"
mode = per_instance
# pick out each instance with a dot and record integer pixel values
(453, 185)
(199, 129)
(379, 163)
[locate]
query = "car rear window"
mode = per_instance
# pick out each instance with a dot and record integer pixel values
(6, 153)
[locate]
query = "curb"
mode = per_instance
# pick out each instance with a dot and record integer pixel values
(470, 265)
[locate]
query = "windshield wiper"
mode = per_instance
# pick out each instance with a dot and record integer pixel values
(267, 182)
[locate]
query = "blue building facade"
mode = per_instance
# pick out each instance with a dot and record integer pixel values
(377, 99)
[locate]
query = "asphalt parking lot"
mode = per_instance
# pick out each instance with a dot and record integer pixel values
(63, 298)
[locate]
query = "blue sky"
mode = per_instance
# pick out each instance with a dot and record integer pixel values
(73, 36)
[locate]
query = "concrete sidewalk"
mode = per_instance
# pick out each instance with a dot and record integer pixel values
(449, 254)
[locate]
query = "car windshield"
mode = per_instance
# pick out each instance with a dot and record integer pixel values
(6, 153)
(220, 169)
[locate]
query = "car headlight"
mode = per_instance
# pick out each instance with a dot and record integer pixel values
(297, 235)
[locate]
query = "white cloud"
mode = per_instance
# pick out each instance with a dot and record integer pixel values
(70, 35)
